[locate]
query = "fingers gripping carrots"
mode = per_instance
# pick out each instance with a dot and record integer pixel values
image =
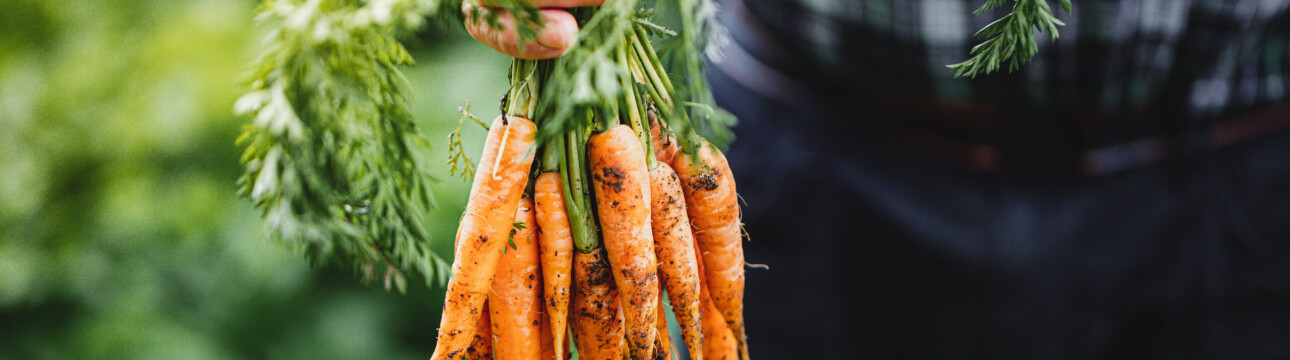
(495, 195)
(556, 246)
(713, 209)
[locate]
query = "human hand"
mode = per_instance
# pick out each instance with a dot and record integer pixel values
(553, 40)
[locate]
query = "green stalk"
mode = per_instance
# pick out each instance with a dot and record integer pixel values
(522, 98)
(653, 92)
(657, 65)
(652, 82)
(552, 154)
(650, 66)
(689, 138)
(633, 107)
(576, 197)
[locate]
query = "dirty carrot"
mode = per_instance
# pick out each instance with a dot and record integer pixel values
(481, 347)
(516, 299)
(621, 183)
(713, 208)
(596, 318)
(556, 247)
(719, 341)
(494, 196)
(674, 245)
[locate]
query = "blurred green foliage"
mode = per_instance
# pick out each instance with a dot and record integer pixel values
(120, 234)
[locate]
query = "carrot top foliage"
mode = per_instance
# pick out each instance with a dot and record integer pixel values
(1010, 39)
(331, 157)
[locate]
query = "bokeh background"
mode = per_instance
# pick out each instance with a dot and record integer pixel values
(120, 234)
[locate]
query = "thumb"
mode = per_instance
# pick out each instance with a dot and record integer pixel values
(558, 34)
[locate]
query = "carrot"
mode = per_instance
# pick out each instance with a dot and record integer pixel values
(596, 320)
(482, 347)
(516, 299)
(556, 247)
(621, 184)
(711, 202)
(665, 146)
(718, 340)
(494, 196)
(674, 245)
(547, 345)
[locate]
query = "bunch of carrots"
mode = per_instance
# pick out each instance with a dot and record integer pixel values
(584, 220)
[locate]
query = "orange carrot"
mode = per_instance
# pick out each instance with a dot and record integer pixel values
(718, 340)
(596, 320)
(621, 183)
(665, 145)
(494, 196)
(516, 300)
(712, 204)
(547, 345)
(482, 347)
(674, 245)
(556, 246)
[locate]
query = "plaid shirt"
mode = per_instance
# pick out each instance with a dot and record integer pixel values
(1200, 59)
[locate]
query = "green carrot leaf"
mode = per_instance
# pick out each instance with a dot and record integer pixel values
(1010, 39)
(332, 158)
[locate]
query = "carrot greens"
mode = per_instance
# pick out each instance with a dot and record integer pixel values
(332, 158)
(1010, 39)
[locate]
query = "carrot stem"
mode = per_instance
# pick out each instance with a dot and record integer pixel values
(576, 199)
(551, 154)
(663, 90)
(634, 109)
(523, 96)
(650, 65)
(657, 65)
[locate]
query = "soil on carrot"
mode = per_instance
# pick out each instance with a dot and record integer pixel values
(601, 273)
(611, 172)
(706, 181)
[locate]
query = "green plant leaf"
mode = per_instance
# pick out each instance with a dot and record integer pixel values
(1011, 38)
(332, 158)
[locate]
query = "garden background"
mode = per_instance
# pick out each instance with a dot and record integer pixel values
(120, 233)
